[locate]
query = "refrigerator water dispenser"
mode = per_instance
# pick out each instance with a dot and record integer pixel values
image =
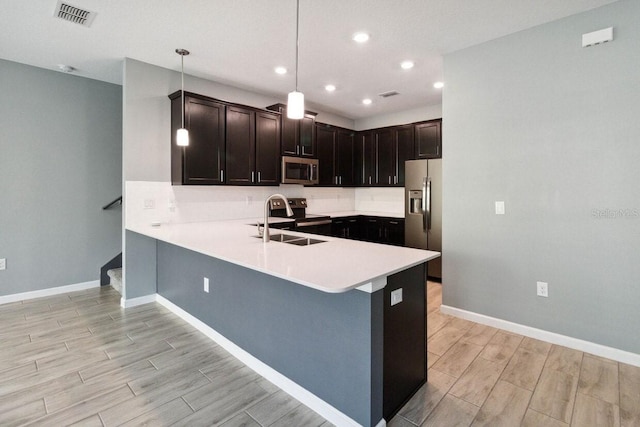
(415, 202)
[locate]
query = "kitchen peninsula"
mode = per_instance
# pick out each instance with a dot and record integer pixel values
(316, 320)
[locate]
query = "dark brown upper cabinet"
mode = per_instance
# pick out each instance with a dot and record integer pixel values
(297, 136)
(380, 155)
(228, 143)
(253, 142)
(428, 139)
(335, 148)
(404, 149)
(267, 148)
(203, 161)
(364, 159)
(385, 155)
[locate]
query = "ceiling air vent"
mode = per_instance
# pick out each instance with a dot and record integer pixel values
(74, 14)
(388, 94)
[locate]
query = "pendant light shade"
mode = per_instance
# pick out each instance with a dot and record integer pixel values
(295, 102)
(182, 136)
(295, 105)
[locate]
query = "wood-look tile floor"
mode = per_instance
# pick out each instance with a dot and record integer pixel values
(482, 376)
(79, 359)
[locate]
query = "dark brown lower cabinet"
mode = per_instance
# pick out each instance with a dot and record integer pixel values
(370, 228)
(405, 339)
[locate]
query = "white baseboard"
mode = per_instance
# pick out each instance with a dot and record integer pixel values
(133, 302)
(307, 398)
(551, 337)
(49, 292)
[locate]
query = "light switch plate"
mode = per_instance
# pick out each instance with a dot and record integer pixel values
(499, 208)
(3, 263)
(206, 284)
(396, 297)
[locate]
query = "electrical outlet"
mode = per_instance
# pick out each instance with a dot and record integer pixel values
(3, 263)
(206, 284)
(149, 204)
(543, 289)
(499, 208)
(396, 296)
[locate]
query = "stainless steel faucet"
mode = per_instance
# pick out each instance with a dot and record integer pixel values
(265, 233)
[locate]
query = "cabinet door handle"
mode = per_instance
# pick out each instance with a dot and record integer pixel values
(259, 179)
(369, 179)
(341, 180)
(297, 149)
(393, 222)
(389, 180)
(253, 176)
(221, 175)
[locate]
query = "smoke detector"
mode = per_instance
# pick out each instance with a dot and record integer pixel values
(389, 93)
(74, 14)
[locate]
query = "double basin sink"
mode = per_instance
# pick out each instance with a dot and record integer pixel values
(293, 240)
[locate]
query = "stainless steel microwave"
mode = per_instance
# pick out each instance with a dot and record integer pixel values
(298, 170)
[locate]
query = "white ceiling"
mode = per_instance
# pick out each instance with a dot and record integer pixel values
(239, 42)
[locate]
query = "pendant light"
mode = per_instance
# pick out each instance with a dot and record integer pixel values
(295, 101)
(182, 137)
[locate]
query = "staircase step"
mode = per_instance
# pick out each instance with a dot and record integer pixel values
(116, 279)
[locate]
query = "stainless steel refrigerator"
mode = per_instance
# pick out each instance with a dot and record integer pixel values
(423, 209)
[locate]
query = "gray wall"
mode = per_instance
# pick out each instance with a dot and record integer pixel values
(552, 129)
(141, 261)
(60, 162)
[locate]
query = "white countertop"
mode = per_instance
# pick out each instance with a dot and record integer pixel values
(337, 265)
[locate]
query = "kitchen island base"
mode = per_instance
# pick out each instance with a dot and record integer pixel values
(329, 350)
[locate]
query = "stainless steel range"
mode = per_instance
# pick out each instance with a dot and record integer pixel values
(304, 222)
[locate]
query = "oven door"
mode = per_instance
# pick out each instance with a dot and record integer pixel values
(321, 227)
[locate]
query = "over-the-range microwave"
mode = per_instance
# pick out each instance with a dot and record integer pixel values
(298, 170)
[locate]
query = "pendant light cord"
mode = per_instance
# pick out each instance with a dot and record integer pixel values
(182, 75)
(297, 38)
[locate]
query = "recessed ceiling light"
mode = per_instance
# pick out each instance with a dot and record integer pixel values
(366, 101)
(329, 88)
(66, 68)
(438, 85)
(280, 70)
(407, 65)
(360, 37)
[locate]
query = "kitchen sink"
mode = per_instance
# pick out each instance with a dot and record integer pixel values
(294, 240)
(305, 241)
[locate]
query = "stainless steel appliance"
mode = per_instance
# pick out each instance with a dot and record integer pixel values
(423, 209)
(298, 170)
(304, 222)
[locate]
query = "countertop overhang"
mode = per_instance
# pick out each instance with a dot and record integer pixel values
(335, 266)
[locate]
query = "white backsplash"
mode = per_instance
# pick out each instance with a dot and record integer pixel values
(377, 199)
(148, 202)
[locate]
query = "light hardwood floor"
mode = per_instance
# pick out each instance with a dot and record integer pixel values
(79, 359)
(482, 376)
